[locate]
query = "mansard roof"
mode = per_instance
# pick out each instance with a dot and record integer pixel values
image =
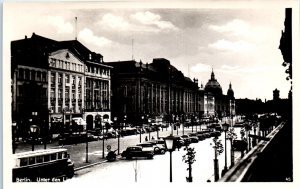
(34, 51)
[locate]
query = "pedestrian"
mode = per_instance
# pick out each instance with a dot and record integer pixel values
(146, 138)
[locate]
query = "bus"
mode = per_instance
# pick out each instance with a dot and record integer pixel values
(48, 165)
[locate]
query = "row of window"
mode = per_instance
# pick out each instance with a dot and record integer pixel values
(60, 107)
(97, 70)
(42, 158)
(34, 75)
(97, 84)
(55, 63)
(67, 94)
(67, 80)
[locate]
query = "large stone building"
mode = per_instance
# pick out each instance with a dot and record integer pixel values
(158, 89)
(155, 90)
(52, 82)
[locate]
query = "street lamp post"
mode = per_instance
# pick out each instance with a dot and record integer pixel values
(183, 120)
(142, 118)
(225, 128)
(149, 127)
(196, 121)
(33, 130)
(169, 143)
(100, 117)
(125, 117)
(86, 145)
(192, 121)
(115, 119)
(45, 135)
(14, 126)
(172, 126)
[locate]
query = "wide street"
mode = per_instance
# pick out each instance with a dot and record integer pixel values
(142, 170)
(155, 170)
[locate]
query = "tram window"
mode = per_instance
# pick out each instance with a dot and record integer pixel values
(59, 155)
(31, 160)
(65, 155)
(46, 158)
(53, 156)
(39, 159)
(23, 162)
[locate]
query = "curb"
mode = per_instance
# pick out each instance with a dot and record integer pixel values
(93, 164)
(90, 165)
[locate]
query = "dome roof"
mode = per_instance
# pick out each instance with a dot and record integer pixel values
(213, 85)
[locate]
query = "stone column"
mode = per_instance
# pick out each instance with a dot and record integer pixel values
(64, 90)
(76, 94)
(56, 92)
(49, 89)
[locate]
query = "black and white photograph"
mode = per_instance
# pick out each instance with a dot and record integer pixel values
(149, 93)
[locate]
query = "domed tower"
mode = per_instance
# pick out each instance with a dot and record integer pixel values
(230, 92)
(213, 85)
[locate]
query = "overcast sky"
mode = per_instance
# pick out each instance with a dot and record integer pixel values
(241, 45)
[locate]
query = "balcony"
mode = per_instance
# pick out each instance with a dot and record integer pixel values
(269, 161)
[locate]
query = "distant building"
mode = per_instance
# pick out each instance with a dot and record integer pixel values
(224, 105)
(249, 106)
(276, 94)
(277, 105)
(52, 82)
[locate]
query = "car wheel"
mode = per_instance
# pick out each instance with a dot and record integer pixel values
(162, 151)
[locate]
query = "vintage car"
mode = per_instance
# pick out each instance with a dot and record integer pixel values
(137, 151)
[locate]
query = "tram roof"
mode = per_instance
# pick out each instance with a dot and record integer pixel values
(38, 152)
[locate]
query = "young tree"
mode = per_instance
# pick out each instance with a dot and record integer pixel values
(189, 158)
(218, 147)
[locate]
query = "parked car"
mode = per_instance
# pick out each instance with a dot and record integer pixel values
(148, 146)
(194, 139)
(215, 133)
(92, 137)
(73, 139)
(192, 134)
(160, 143)
(37, 140)
(179, 142)
(201, 136)
(159, 148)
(111, 135)
(186, 139)
(137, 151)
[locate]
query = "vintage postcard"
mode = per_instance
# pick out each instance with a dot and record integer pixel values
(123, 93)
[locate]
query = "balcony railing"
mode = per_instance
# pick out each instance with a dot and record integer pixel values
(260, 163)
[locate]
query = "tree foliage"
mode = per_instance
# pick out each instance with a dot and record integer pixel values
(218, 146)
(189, 157)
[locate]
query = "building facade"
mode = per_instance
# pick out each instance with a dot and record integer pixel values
(53, 82)
(218, 104)
(158, 89)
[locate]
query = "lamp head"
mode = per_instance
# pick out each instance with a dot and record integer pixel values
(225, 127)
(170, 142)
